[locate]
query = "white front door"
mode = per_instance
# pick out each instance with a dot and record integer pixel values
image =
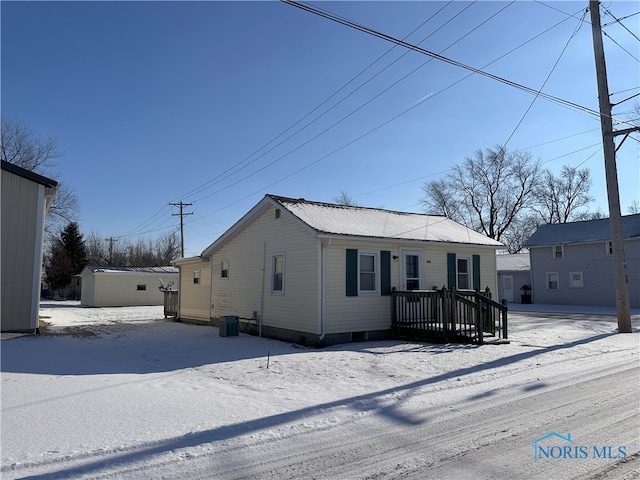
(507, 287)
(411, 269)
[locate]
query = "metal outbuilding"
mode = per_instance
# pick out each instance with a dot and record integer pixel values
(26, 197)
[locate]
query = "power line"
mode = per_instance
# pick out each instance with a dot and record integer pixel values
(546, 79)
(442, 58)
(237, 167)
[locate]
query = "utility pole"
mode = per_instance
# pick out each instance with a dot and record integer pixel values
(611, 174)
(181, 215)
(110, 240)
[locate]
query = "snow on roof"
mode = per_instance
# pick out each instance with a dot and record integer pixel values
(582, 232)
(99, 269)
(378, 223)
(517, 262)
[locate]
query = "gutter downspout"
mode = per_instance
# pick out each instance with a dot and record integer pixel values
(323, 292)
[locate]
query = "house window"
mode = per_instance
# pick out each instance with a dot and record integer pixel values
(277, 274)
(141, 288)
(463, 273)
(196, 277)
(552, 281)
(367, 272)
(558, 251)
(224, 269)
(608, 248)
(576, 280)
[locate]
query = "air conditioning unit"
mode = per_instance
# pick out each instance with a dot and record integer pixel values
(229, 326)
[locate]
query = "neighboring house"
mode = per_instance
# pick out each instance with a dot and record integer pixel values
(571, 263)
(126, 286)
(26, 197)
(318, 273)
(514, 272)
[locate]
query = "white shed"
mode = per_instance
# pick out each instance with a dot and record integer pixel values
(126, 286)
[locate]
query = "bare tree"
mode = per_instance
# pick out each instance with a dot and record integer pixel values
(345, 199)
(21, 146)
(634, 208)
(143, 252)
(559, 199)
(488, 193)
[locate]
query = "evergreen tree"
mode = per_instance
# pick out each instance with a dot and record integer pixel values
(67, 257)
(75, 247)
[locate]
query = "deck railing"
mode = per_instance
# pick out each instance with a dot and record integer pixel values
(448, 315)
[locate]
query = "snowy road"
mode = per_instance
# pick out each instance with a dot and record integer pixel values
(490, 436)
(123, 393)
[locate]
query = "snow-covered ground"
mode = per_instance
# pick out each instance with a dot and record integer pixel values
(124, 393)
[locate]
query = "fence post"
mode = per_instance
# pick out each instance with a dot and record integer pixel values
(479, 321)
(504, 318)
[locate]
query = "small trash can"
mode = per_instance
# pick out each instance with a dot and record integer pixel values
(526, 295)
(229, 326)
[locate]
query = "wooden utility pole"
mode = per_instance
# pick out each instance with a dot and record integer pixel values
(110, 240)
(181, 215)
(611, 174)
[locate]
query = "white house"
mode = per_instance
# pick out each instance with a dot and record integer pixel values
(571, 263)
(319, 273)
(125, 286)
(26, 197)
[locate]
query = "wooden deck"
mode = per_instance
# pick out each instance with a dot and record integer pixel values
(448, 316)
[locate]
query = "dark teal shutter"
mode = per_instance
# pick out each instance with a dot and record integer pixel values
(476, 272)
(385, 272)
(451, 270)
(352, 272)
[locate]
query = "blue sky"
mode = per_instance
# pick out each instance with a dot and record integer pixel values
(158, 102)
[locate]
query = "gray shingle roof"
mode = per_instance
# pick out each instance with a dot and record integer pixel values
(582, 232)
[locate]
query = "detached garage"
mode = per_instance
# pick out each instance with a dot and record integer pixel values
(126, 286)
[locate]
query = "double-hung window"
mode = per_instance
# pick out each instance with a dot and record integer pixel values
(552, 281)
(463, 273)
(277, 274)
(224, 269)
(368, 274)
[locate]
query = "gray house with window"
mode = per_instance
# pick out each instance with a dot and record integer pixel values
(571, 263)
(320, 273)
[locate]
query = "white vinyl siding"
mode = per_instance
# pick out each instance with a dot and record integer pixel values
(123, 289)
(371, 312)
(195, 298)
(248, 288)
